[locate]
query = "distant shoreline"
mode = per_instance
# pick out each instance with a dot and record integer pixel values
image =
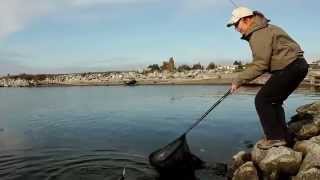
(123, 79)
(148, 83)
(116, 79)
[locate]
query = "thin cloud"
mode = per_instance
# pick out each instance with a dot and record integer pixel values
(9, 55)
(15, 15)
(115, 63)
(203, 4)
(106, 2)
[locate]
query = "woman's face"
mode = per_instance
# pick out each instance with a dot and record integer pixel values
(242, 26)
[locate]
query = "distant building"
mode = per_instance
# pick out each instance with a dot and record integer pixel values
(168, 66)
(227, 67)
(315, 65)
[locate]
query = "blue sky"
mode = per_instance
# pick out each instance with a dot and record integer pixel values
(54, 36)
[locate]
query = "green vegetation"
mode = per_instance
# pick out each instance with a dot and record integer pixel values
(240, 66)
(184, 67)
(211, 65)
(154, 67)
(29, 77)
(197, 66)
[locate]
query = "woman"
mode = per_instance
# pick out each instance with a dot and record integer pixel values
(274, 51)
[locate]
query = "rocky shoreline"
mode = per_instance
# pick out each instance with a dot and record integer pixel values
(193, 77)
(300, 161)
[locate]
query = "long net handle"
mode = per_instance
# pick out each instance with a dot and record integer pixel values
(208, 111)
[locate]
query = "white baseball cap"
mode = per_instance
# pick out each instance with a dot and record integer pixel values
(238, 13)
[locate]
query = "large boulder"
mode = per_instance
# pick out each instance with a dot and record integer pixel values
(312, 160)
(311, 145)
(307, 131)
(311, 174)
(246, 172)
(240, 158)
(281, 160)
(313, 108)
(304, 126)
(258, 154)
(310, 167)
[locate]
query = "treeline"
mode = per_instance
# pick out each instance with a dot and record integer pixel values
(198, 66)
(184, 67)
(29, 77)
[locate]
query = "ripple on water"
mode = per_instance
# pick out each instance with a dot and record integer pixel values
(67, 164)
(73, 165)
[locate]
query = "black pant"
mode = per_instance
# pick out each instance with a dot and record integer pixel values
(270, 98)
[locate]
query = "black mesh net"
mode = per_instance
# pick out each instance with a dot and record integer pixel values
(175, 159)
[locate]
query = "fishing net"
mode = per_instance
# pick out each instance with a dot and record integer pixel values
(175, 157)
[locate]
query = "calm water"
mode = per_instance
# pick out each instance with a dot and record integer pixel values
(93, 132)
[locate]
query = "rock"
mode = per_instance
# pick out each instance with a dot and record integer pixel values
(310, 167)
(258, 154)
(307, 131)
(312, 145)
(315, 139)
(281, 160)
(316, 120)
(304, 126)
(312, 160)
(313, 108)
(246, 172)
(306, 123)
(311, 174)
(240, 158)
(295, 124)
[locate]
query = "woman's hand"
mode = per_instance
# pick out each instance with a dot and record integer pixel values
(234, 87)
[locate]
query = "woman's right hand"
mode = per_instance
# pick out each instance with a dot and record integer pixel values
(234, 87)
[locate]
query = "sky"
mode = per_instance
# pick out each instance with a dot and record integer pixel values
(62, 36)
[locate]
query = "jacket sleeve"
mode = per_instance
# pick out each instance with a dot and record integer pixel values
(261, 47)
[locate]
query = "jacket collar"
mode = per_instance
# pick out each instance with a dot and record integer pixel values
(258, 23)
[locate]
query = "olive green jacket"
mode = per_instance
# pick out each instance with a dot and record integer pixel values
(272, 49)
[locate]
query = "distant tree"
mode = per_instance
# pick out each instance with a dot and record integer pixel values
(154, 67)
(239, 63)
(40, 77)
(211, 65)
(24, 76)
(84, 74)
(184, 67)
(197, 66)
(165, 66)
(29, 77)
